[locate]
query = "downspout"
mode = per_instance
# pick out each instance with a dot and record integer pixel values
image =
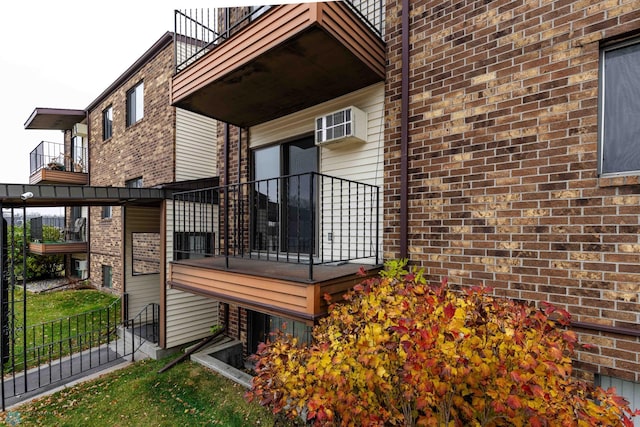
(404, 133)
(88, 223)
(239, 225)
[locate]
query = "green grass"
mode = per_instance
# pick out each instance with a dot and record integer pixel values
(186, 395)
(53, 327)
(48, 306)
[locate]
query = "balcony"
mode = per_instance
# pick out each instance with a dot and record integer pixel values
(276, 245)
(55, 240)
(49, 164)
(246, 66)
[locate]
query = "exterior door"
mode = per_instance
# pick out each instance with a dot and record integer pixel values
(282, 220)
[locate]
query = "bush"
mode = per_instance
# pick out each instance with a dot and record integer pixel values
(401, 352)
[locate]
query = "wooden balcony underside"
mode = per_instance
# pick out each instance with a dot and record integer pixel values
(296, 56)
(57, 248)
(271, 287)
(49, 176)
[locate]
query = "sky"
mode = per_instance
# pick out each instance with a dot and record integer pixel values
(63, 54)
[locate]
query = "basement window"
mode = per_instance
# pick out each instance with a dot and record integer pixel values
(619, 130)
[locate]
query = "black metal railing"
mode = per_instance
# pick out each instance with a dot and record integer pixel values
(51, 155)
(306, 219)
(197, 31)
(52, 351)
(143, 327)
(52, 230)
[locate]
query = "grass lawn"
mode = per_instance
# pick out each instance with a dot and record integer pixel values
(52, 318)
(48, 306)
(186, 395)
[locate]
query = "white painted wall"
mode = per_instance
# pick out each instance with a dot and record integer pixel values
(189, 317)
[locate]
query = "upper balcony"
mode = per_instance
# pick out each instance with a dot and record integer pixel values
(276, 245)
(246, 66)
(49, 164)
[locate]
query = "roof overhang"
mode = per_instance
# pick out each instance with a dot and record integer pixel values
(293, 57)
(54, 119)
(11, 195)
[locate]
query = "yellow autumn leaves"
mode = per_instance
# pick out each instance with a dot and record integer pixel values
(402, 352)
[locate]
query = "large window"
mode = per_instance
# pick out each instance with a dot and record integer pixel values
(107, 123)
(135, 104)
(620, 108)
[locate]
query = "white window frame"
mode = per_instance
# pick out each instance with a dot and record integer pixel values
(135, 104)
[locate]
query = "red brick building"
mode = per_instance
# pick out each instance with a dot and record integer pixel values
(508, 154)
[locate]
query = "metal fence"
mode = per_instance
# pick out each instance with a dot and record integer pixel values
(35, 357)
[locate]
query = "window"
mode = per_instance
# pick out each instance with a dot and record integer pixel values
(145, 252)
(620, 108)
(107, 123)
(106, 212)
(79, 153)
(261, 325)
(282, 218)
(107, 276)
(134, 183)
(193, 245)
(135, 104)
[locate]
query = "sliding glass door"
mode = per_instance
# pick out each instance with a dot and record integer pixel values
(282, 219)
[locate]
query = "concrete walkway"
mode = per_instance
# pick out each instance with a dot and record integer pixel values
(47, 378)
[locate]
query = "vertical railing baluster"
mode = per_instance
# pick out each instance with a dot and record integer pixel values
(311, 193)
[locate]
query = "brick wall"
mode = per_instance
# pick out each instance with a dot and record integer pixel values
(503, 185)
(144, 149)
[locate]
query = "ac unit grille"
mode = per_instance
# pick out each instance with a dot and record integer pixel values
(340, 125)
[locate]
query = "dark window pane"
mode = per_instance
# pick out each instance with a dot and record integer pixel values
(621, 109)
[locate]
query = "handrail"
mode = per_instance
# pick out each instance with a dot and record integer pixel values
(142, 321)
(309, 218)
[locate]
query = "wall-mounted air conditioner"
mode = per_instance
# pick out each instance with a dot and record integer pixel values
(79, 129)
(349, 124)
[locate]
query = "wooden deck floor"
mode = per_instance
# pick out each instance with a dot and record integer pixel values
(282, 270)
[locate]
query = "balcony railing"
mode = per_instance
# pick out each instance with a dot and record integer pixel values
(51, 155)
(197, 31)
(46, 231)
(304, 219)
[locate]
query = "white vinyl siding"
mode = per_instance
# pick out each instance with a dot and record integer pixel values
(196, 146)
(189, 317)
(355, 161)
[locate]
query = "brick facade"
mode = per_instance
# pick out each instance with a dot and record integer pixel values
(503, 141)
(144, 149)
